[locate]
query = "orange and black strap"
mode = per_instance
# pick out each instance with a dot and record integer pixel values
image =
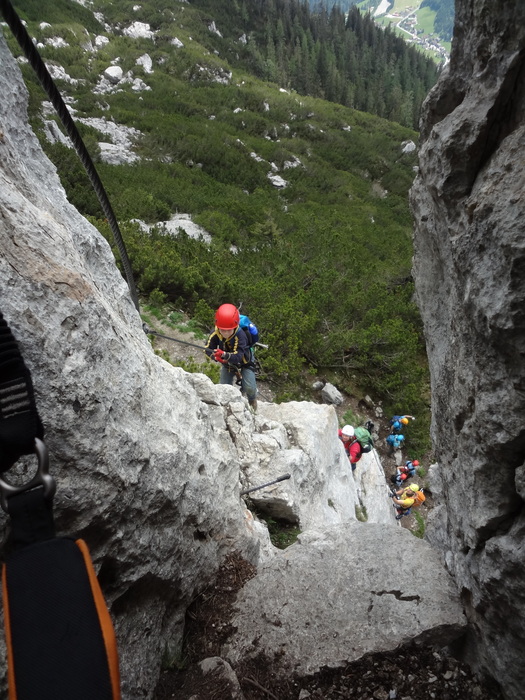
(60, 639)
(59, 635)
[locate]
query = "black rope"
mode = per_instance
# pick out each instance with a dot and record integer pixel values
(49, 86)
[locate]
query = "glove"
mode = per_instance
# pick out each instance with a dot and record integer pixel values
(218, 355)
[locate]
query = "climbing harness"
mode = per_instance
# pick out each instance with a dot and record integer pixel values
(275, 481)
(38, 65)
(59, 636)
(401, 513)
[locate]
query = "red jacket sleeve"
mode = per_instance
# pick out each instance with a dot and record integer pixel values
(354, 452)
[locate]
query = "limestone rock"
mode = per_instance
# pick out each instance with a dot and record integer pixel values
(277, 181)
(220, 669)
(139, 30)
(114, 74)
(468, 266)
(143, 473)
(146, 62)
(321, 489)
(331, 394)
(367, 604)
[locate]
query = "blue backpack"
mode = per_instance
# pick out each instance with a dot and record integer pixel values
(250, 329)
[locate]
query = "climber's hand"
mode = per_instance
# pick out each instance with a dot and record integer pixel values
(218, 355)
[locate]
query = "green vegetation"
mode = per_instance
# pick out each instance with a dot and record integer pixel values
(401, 5)
(339, 56)
(419, 531)
(282, 533)
(352, 418)
(170, 318)
(443, 24)
(425, 19)
(361, 514)
(158, 310)
(323, 265)
(60, 13)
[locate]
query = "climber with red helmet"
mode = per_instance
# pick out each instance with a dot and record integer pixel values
(229, 345)
(404, 472)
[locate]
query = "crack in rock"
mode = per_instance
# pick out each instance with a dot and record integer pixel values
(398, 595)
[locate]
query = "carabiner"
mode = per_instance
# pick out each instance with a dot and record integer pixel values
(41, 478)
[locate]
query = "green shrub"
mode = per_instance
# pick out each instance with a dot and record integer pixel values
(157, 299)
(419, 531)
(351, 418)
(282, 533)
(361, 514)
(322, 266)
(210, 369)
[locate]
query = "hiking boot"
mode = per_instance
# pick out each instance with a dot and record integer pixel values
(253, 405)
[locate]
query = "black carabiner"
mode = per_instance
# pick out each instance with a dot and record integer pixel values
(41, 478)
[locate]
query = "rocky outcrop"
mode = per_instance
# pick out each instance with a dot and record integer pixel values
(394, 599)
(150, 461)
(469, 267)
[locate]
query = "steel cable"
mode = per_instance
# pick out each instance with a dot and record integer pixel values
(45, 79)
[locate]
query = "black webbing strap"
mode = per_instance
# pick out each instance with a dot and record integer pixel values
(31, 514)
(60, 639)
(59, 635)
(20, 423)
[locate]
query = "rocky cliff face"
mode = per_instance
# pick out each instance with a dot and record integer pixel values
(150, 461)
(469, 264)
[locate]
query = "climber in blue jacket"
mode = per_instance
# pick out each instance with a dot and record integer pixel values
(395, 442)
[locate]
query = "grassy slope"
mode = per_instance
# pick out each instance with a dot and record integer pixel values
(322, 264)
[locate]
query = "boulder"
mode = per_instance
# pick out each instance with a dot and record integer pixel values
(114, 74)
(358, 603)
(331, 394)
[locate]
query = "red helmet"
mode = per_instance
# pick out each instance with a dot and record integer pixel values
(415, 463)
(227, 317)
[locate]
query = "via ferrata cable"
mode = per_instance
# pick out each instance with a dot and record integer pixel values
(45, 79)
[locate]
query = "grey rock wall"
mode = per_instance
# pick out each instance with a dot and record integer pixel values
(468, 203)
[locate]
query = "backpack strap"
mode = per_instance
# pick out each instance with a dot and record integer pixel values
(60, 639)
(59, 636)
(20, 423)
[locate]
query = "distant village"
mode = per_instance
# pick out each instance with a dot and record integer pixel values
(406, 21)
